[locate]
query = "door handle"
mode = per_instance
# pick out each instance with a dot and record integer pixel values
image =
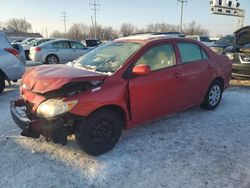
(177, 75)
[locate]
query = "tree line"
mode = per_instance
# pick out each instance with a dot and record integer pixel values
(81, 31)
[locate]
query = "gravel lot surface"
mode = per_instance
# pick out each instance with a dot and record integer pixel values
(194, 148)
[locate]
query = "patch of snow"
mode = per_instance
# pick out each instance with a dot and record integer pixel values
(194, 148)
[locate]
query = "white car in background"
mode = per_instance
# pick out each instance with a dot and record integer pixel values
(205, 40)
(57, 51)
(12, 62)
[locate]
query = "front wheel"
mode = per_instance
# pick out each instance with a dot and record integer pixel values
(100, 132)
(213, 96)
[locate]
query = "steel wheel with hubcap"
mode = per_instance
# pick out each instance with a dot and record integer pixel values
(100, 132)
(213, 96)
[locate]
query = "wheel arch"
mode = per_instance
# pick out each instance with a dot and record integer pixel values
(2, 73)
(219, 79)
(117, 109)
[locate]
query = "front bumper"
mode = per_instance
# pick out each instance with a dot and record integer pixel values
(33, 127)
(241, 70)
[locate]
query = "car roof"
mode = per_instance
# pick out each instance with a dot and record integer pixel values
(145, 37)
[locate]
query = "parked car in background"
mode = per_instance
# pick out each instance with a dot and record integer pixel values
(239, 53)
(205, 40)
(17, 41)
(220, 46)
(117, 86)
(214, 39)
(91, 42)
(26, 41)
(57, 51)
(34, 42)
(12, 66)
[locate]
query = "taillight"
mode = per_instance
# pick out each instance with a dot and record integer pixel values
(13, 51)
(37, 49)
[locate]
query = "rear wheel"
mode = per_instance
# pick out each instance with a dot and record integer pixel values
(2, 83)
(213, 96)
(52, 59)
(100, 132)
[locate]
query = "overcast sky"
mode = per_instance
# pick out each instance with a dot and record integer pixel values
(47, 13)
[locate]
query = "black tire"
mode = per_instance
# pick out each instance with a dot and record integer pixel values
(52, 59)
(100, 132)
(213, 96)
(2, 83)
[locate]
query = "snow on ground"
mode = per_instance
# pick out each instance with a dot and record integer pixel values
(194, 148)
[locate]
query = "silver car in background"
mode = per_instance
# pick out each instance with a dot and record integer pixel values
(57, 51)
(12, 62)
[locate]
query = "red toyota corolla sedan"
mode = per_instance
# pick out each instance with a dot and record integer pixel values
(117, 86)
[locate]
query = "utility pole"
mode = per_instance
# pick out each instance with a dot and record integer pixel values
(64, 17)
(46, 31)
(94, 5)
(181, 19)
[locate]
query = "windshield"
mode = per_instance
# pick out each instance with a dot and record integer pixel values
(227, 40)
(108, 57)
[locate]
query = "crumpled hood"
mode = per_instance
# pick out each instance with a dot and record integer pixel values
(44, 78)
(243, 36)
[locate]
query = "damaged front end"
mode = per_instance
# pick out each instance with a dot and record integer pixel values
(48, 114)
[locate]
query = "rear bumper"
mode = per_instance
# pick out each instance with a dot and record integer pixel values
(241, 70)
(33, 128)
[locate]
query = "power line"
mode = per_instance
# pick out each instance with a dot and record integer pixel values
(94, 5)
(64, 17)
(181, 19)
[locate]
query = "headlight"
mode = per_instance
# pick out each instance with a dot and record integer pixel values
(54, 107)
(217, 50)
(230, 56)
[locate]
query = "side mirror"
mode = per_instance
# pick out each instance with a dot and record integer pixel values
(140, 70)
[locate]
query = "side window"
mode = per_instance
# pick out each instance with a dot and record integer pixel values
(76, 45)
(159, 57)
(190, 52)
(61, 44)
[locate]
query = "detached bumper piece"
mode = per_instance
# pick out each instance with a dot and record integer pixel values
(50, 129)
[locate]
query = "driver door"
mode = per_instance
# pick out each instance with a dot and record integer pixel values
(155, 94)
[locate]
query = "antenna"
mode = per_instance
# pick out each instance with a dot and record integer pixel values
(94, 5)
(64, 17)
(181, 19)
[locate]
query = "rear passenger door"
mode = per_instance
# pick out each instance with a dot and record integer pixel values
(77, 50)
(62, 50)
(196, 73)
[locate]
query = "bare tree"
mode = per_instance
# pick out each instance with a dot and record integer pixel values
(127, 29)
(78, 31)
(195, 29)
(161, 27)
(19, 25)
(108, 33)
(57, 34)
